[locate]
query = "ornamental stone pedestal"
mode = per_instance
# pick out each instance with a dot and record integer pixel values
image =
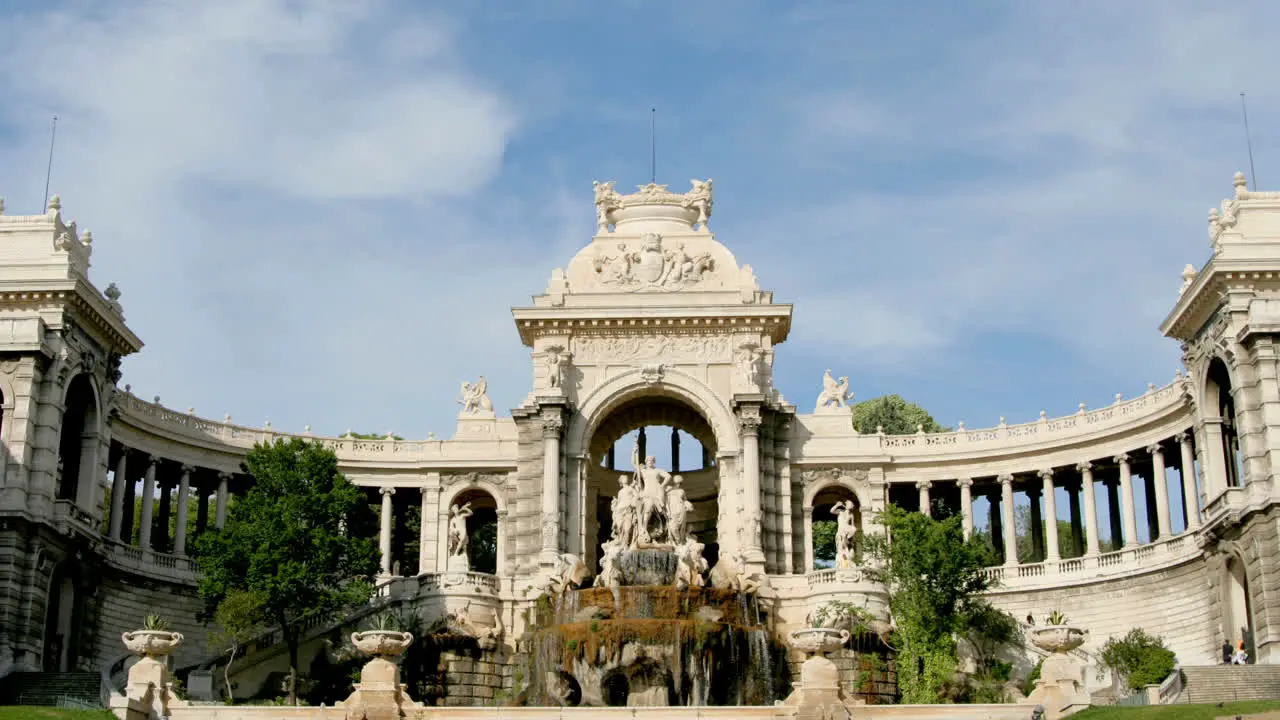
(818, 696)
(148, 693)
(1061, 688)
(380, 695)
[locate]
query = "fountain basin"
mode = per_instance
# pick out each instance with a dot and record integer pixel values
(648, 566)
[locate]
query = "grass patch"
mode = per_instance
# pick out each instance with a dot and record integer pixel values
(23, 712)
(1178, 712)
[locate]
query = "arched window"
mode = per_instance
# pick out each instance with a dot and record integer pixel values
(482, 530)
(78, 444)
(826, 526)
(1218, 393)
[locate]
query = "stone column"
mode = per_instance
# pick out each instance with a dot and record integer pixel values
(1090, 509)
(1010, 533)
(1214, 471)
(424, 531)
(148, 504)
(1052, 552)
(784, 483)
(675, 451)
(184, 492)
(966, 505)
(500, 551)
(995, 525)
(608, 459)
(749, 433)
(1162, 491)
(552, 424)
(220, 516)
(808, 538)
(202, 508)
(1190, 501)
(1036, 520)
(384, 529)
(922, 487)
(642, 440)
(118, 491)
(1077, 519)
(706, 457)
(161, 542)
(1114, 513)
(1126, 492)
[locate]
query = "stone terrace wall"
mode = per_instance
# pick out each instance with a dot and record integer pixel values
(1174, 603)
(123, 603)
(474, 680)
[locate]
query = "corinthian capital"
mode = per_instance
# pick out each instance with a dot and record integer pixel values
(748, 420)
(552, 422)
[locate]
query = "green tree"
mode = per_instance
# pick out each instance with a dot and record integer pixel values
(986, 628)
(237, 620)
(934, 576)
(895, 415)
(299, 540)
(824, 542)
(1140, 658)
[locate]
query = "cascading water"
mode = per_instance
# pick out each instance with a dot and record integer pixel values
(650, 645)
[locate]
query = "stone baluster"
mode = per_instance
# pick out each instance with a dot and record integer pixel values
(1162, 491)
(1092, 545)
(552, 424)
(148, 504)
(966, 505)
(1010, 533)
(1126, 498)
(384, 530)
(922, 487)
(220, 513)
(1190, 501)
(118, 491)
(184, 492)
(1052, 551)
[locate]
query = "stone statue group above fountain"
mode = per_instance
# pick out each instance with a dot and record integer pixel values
(650, 519)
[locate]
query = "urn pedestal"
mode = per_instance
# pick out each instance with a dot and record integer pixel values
(818, 696)
(148, 691)
(379, 695)
(1061, 688)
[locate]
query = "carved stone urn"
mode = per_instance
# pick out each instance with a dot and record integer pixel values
(382, 643)
(152, 644)
(818, 693)
(1060, 689)
(1058, 638)
(379, 695)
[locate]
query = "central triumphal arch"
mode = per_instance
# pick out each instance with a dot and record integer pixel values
(654, 322)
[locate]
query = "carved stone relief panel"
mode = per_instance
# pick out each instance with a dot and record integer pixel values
(472, 478)
(637, 349)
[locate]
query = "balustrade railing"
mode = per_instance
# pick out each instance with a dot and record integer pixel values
(1046, 428)
(138, 559)
(1091, 567)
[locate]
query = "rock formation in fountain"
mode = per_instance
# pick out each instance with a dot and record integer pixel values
(649, 543)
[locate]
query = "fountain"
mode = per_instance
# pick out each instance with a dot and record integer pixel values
(651, 632)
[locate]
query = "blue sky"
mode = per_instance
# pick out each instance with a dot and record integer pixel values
(320, 212)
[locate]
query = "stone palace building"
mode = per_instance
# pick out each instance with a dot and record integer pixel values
(653, 324)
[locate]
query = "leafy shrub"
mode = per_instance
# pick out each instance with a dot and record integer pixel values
(1029, 685)
(1140, 658)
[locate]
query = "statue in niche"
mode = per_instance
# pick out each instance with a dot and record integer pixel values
(846, 533)
(651, 527)
(749, 356)
(699, 198)
(556, 359)
(678, 507)
(475, 397)
(457, 537)
(835, 394)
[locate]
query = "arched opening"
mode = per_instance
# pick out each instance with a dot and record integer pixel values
(1237, 616)
(481, 541)
(1219, 396)
(682, 444)
(78, 445)
(827, 535)
(60, 649)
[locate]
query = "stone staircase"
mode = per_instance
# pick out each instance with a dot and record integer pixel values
(1227, 683)
(67, 689)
